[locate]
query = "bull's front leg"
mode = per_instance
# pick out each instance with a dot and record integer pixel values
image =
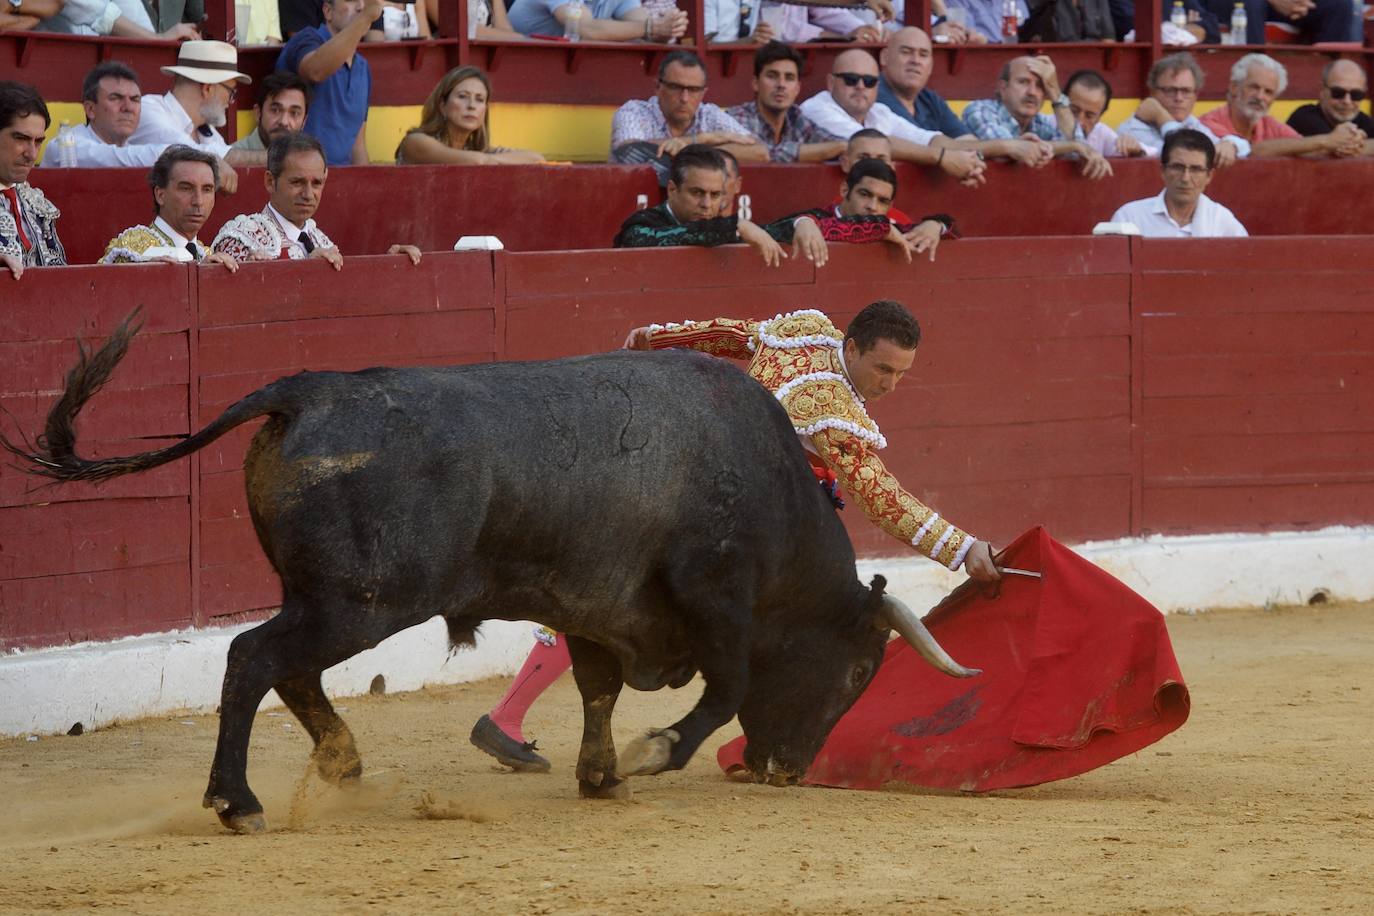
(598, 677)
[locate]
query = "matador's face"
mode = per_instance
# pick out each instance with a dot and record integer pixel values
(877, 371)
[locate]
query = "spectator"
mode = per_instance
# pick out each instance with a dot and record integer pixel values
(113, 101)
(264, 24)
(327, 57)
(734, 183)
(455, 126)
(869, 189)
(285, 229)
(1014, 111)
(1344, 87)
(774, 117)
(600, 20)
(1175, 82)
(873, 144)
(165, 15)
(22, 15)
(1256, 80)
(1317, 20)
(28, 221)
(401, 21)
(739, 20)
(492, 22)
(184, 184)
(1089, 95)
(907, 62)
(205, 80)
(850, 103)
(120, 18)
(1202, 23)
(984, 18)
(1181, 210)
(657, 129)
(689, 216)
(281, 108)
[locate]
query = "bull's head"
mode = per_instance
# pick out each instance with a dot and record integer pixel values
(803, 680)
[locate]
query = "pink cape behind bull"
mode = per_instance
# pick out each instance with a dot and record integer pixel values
(1078, 671)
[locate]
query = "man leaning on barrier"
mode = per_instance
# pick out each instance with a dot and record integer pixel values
(28, 220)
(1174, 84)
(184, 181)
(1181, 210)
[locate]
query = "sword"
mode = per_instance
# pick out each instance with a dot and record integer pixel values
(1012, 571)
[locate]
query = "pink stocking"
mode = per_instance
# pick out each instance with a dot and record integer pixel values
(541, 669)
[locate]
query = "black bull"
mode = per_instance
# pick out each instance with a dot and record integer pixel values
(655, 507)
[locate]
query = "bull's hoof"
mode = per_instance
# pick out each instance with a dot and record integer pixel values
(337, 760)
(615, 789)
(649, 754)
(239, 822)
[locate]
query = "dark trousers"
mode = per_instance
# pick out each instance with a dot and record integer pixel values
(1329, 20)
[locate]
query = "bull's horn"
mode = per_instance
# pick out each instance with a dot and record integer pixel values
(906, 622)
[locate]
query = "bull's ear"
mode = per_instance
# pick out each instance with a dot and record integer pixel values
(876, 588)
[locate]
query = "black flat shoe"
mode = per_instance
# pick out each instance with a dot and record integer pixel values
(487, 737)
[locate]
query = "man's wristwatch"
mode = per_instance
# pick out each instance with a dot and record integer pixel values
(1061, 102)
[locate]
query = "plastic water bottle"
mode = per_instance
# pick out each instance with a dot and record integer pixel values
(1009, 21)
(1357, 21)
(1240, 23)
(572, 29)
(66, 146)
(1179, 16)
(474, 8)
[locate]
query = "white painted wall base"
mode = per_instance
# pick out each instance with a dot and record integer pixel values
(47, 690)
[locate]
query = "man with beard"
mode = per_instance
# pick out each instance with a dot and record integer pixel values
(286, 227)
(1256, 81)
(28, 220)
(1014, 112)
(775, 118)
(283, 103)
(184, 183)
(206, 80)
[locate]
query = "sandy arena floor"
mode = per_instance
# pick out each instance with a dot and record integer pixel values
(1262, 803)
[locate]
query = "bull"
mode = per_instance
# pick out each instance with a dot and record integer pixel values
(656, 508)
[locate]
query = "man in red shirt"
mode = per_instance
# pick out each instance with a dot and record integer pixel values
(1256, 80)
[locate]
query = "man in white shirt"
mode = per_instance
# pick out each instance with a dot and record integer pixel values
(184, 183)
(850, 104)
(206, 80)
(113, 102)
(1181, 210)
(285, 229)
(1175, 82)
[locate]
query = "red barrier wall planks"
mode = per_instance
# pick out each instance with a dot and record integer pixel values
(1255, 384)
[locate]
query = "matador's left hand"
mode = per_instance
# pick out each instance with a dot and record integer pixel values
(978, 563)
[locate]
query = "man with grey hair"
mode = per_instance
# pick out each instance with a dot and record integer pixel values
(1175, 82)
(1256, 81)
(1344, 87)
(184, 181)
(285, 229)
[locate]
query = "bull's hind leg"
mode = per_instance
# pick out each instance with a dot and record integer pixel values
(336, 754)
(599, 680)
(720, 650)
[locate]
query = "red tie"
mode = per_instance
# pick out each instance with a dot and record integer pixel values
(13, 195)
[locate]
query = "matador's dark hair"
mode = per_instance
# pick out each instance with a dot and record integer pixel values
(886, 319)
(870, 168)
(696, 156)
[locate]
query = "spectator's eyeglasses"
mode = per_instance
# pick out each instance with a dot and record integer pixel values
(231, 88)
(854, 79)
(1338, 93)
(679, 87)
(1176, 90)
(1178, 170)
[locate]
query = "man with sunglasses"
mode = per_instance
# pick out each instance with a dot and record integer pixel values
(1175, 82)
(850, 104)
(1256, 81)
(1181, 210)
(206, 77)
(655, 130)
(1344, 87)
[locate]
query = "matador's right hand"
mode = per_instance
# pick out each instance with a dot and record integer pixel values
(638, 339)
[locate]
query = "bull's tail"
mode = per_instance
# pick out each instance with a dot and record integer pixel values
(53, 454)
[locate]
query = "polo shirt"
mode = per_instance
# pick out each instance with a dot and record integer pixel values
(338, 109)
(932, 112)
(1268, 127)
(1210, 220)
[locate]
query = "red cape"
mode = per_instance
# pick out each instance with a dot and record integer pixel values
(1077, 672)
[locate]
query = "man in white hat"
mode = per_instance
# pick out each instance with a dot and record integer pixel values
(206, 79)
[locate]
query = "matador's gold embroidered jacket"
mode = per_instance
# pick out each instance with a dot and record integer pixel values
(797, 357)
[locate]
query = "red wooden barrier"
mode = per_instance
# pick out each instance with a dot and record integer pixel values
(1102, 387)
(553, 208)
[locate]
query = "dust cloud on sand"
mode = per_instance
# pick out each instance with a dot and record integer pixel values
(1262, 803)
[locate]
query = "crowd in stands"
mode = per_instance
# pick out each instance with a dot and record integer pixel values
(311, 115)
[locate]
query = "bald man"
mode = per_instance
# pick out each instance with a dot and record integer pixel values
(849, 103)
(1344, 87)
